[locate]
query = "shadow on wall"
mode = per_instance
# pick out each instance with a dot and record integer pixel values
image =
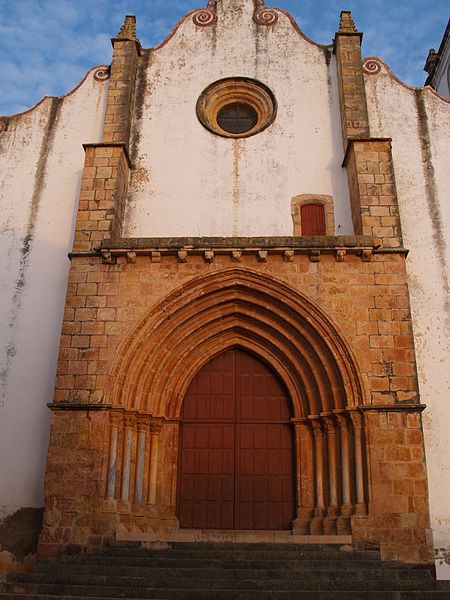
(19, 534)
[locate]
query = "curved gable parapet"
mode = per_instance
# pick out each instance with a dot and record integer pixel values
(99, 73)
(302, 33)
(261, 16)
(373, 65)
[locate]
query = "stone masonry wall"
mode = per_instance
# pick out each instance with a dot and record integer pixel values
(365, 295)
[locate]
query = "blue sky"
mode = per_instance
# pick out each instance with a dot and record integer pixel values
(46, 46)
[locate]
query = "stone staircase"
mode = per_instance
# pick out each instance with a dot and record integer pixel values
(223, 571)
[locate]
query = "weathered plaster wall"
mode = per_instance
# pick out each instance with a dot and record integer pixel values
(41, 160)
(419, 123)
(190, 182)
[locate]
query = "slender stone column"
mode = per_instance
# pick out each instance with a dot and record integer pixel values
(319, 476)
(356, 417)
(143, 425)
(116, 422)
(129, 424)
(345, 458)
(304, 476)
(333, 483)
(320, 479)
(155, 428)
(346, 506)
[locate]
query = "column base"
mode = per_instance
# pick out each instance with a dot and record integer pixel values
(343, 526)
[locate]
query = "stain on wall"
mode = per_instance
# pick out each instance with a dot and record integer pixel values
(434, 210)
(19, 534)
(26, 246)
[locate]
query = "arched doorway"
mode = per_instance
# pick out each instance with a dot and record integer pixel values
(236, 468)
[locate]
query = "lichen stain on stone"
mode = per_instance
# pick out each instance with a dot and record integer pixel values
(25, 250)
(237, 153)
(19, 532)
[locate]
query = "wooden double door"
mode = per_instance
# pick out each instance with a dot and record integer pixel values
(236, 453)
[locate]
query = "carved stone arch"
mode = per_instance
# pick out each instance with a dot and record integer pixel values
(170, 344)
(302, 200)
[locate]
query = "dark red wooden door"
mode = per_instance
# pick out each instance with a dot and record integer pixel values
(313, 219)
(236, 456)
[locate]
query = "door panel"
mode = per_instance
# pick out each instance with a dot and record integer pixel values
(236, 454)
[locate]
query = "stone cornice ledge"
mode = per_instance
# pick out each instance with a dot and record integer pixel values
(364, 247)
(394, 407)
(219, 243)
(78, 406)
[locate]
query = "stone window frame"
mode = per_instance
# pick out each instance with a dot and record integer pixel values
(240, 90)
(326, 201)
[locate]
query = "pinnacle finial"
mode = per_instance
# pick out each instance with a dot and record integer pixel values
(128, 29)
(347, 24)
(432, 60)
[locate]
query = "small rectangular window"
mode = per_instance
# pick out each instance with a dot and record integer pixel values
(313, 219)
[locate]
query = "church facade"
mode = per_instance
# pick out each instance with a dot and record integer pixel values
(255, 331)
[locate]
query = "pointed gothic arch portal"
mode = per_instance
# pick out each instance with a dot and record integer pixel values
(307, 355)
(236, 466)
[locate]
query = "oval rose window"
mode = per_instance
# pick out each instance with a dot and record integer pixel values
(236, 107)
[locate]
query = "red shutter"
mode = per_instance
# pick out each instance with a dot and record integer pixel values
(313, 219)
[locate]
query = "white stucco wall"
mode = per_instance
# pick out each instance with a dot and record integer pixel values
(41, 162)
(190, 182)
(419, 123)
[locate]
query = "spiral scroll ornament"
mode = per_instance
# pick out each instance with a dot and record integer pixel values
(101, 74)
(206, 16)
(265, 16)
(371, 67)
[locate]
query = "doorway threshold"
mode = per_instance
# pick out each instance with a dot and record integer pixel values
(232, 536)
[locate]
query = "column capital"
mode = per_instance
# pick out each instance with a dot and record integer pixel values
(116, 418)
(356, 417)
(129, 420)
(156, 426)
(341, 418)
(316, 423)
(143, 422)
(329, 421)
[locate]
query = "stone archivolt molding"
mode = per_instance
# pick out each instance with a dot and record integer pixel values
(157, 361)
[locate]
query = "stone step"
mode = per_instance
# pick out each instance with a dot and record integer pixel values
(115, 585)
(393, 574)
(238, 547)
(144, 589)
(208, 571)
(232, 595)
(224, 563)
(244, 554)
